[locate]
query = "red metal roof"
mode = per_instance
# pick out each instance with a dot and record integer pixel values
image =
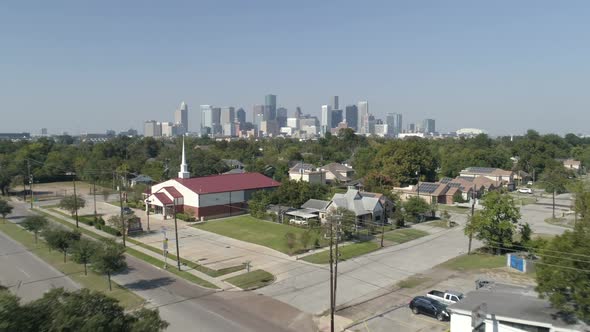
(173, 192)
(163, 198)
(228, 182)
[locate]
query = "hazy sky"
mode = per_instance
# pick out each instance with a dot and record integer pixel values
(87, 66)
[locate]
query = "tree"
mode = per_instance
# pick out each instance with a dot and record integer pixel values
(109, 258)
(525, 233)
(305, 238)
(555, 179)
(347, 223)
(105, 194)
(82, 310)
(290, 239)
(72, 203)
(496, 223)
(35, 224)
(60, 239)
(414, 208)
(5, 208)
(82, 252)
(446, 217)
(562, 275)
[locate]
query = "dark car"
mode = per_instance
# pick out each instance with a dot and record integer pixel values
(428, 306)
(127, 210)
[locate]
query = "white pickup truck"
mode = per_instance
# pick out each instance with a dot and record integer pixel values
(447, 297)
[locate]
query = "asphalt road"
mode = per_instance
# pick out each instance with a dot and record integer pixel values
(185, 306)
(26, 274)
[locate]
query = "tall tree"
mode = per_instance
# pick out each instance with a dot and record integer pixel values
(109, 259)
(72, 203)
(83, 251)
(496, 223)
(35, 224)
(415, 207)
(564, 271)
(5, 208)
(61, 239)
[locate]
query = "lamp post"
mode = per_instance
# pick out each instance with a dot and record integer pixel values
(554, 190)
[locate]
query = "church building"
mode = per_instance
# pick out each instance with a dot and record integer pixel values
(206, 197)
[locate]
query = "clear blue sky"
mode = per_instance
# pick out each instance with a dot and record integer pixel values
(503, 66)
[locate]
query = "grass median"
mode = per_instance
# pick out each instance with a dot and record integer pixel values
(136, 253)
(404, 235)
(346, 252)
(252, 280)
(73, 270)
(476, 261)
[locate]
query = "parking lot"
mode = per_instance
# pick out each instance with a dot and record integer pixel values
(401, 319)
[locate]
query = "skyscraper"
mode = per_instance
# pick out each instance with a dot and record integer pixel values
(216, 127)
(326, 124)
(257, 115)
(227, 115)
(363, 110)
(428, 126)
(206, 119)
(282, 117)
(352, 116)
(298, 113)
(152, 128)
(241, 116)
(270, 107)
(336, 118)
(335, 104)
(181, 118)
(394, 123)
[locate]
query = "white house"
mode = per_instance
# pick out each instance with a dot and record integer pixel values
(368, 210)
(307, 173)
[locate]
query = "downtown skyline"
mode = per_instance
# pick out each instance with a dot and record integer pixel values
(502, 67)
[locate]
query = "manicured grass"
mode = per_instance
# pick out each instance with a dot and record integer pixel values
(75, 271)
(346, 252)
(268, 234)
(475, 262)
(438, 223)
(563, 222)
(138, 254)
(404, 235)
(455, 209)
(252, 280)
(412, 282)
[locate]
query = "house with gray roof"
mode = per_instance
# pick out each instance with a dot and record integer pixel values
(366, 209)
(340, 173)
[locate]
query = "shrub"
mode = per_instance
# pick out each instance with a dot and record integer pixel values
(184, 216)
(110, 230)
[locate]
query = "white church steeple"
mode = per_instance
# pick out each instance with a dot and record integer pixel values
(183, 174)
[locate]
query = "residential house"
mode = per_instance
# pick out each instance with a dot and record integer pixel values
(340, 173)
(574, 165)
(141, 179)
(507, 308)
(431, 192)
(307, 173)
(495, 174)
(368, 210)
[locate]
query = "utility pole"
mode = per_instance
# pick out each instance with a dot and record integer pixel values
(176, 234)
(31, 183)
(331, 278)
(75, 197)
(383, 225)
(553, 201)
(470, 221)
(94, 196)
(147, 208)
(121, 211)
(338, 220)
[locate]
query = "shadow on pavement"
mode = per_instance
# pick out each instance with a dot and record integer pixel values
(149, 284)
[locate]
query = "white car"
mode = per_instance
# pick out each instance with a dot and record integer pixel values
(525, 190)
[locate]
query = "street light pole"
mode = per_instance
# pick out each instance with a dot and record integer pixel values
(147, 205)
(176, 234)
(94, 197)
(75, 197)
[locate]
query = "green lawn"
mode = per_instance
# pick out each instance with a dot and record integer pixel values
(475, 262)
(252, 280)
(438, 223)
(346, 252)
(404, 235)
(75, 271)
(563, 222)
(268, 234)
(455, 209)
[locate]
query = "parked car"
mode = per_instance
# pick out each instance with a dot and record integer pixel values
(480, 283)
(127, 210)
(430, 307)
(525, 190)
(445, 297)
(530, 183)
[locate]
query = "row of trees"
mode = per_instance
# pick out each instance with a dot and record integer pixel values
(83, 310)
(382, 162)
(106, 257)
